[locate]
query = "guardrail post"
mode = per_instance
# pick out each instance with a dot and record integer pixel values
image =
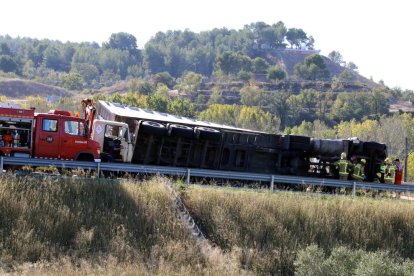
(98, 170)
(1, 165)
(353, 188)
(272, 183)
(188, 176)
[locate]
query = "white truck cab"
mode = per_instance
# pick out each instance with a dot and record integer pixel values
(115, 140)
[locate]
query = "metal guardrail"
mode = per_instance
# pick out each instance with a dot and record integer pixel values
(204, 173)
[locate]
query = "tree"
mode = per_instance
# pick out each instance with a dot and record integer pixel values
(108, 78)
(226, 63)
(163, 77)
(85, 54)
(220, 113)
(316, 129)
(312, 68)
(36, 53)
(252, 96)
(116, 61)
(154, 59)
(73, 81)
(276, 73)
(132, 99)
(53, 59)
(5, 50)
(256, 119)
(352, 66)
(216, 97)
(295, 110)
(162, 90)
(158, 103)
(141, 86)
(280, 30)
(244, 76)
(296, 37)
(8, 64)
(278, 104)
(181, 106)
(259, 65)
(231, 63)
(268, 35)
(89, 72)
(308, 100)
(67, 52)
(310, 43)
(190, 82)
(336, 57)
(124, 42)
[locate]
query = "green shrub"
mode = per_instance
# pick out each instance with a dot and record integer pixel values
(343, 261)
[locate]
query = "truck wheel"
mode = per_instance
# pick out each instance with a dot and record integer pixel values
(85, 157)
(205, 133)
(153, 128)
(180, 131)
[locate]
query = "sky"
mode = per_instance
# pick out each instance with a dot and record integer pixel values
(375, 35)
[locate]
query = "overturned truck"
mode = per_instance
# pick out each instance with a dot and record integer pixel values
(135, 135)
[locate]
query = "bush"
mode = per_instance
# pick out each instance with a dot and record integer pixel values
(344, 261)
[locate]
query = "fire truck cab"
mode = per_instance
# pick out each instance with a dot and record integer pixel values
(57, 135)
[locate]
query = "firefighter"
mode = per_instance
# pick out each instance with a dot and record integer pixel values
(381, 173)
(7, 138)
(389, 175)
(352, 164)
(398, 171)
(359, 174)
(343, 166)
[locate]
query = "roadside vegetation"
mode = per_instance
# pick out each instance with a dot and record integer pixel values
(274, 230)
(72, 226)
(93, 226)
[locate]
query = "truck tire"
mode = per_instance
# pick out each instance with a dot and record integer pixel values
(180, 131)
(205, 133)
(153, 128)
(85, 157)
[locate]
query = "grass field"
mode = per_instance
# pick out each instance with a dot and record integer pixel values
(78, 226)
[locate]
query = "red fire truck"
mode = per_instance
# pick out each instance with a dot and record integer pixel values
(57, 134)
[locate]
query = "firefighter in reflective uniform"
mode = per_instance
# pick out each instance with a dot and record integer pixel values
(343, 166)
(359, 174)
(381, 173)
(389, 172)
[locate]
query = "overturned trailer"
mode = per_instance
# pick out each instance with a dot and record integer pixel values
(149, 137)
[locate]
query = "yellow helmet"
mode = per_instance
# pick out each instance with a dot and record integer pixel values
(387, 160)
(363, 161)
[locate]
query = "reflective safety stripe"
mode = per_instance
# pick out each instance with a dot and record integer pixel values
(343, 167)
(358, 175)
(389, 175)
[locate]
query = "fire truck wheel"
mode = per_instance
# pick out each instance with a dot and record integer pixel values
(205, 133)
(85, 157)
(180, 131)
(153, 128)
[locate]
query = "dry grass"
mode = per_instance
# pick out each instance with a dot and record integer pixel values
(79, 226)
(271, 228)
